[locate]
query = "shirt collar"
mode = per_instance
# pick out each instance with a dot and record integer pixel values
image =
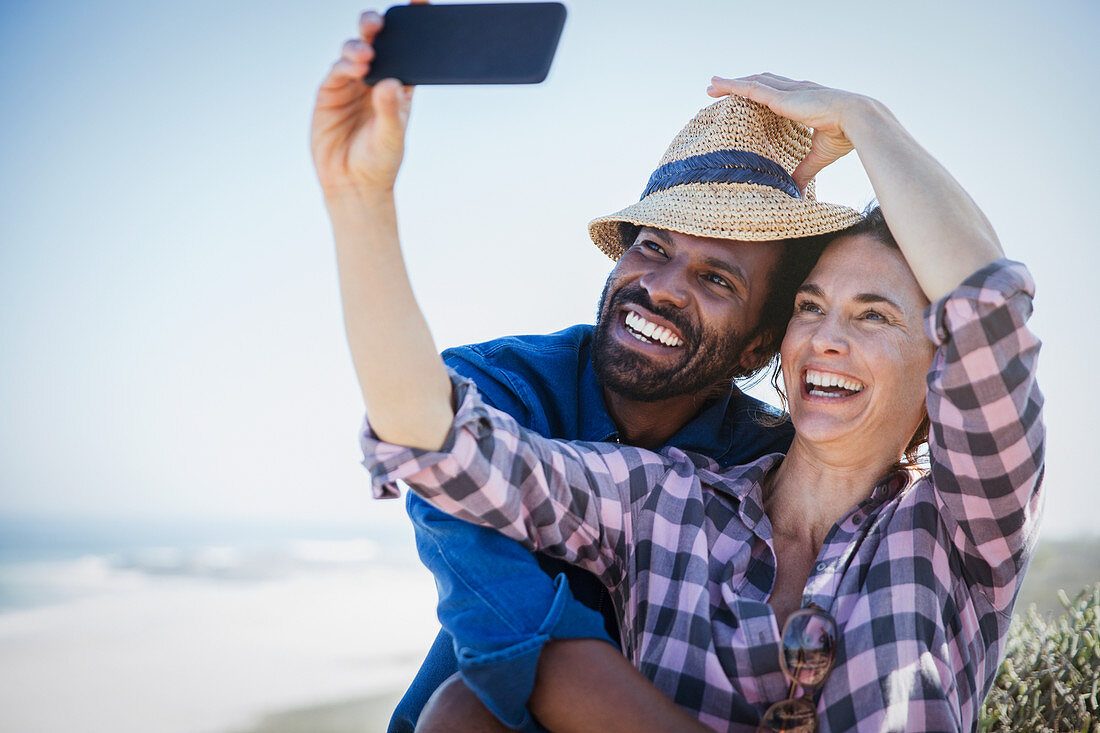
(595, 422)
(708, 432)
(743, 484)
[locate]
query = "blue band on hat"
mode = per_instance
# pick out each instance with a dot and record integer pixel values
(723, 166)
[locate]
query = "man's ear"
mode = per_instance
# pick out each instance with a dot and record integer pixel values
(758, 351)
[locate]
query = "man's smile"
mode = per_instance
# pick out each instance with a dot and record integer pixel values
(647, 331)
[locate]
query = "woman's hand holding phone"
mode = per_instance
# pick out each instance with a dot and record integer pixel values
(358, 131)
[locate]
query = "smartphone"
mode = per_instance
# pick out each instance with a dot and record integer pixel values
(485, 43)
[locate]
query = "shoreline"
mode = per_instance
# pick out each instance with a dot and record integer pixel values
(354, 715)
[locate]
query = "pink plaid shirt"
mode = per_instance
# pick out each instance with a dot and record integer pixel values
(921, 577)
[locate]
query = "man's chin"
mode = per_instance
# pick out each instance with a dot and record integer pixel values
(635, 391)
(635, 379)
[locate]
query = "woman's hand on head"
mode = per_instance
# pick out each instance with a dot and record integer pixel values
(358, 131)
(819, 107)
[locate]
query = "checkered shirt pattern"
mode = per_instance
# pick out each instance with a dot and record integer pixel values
(921, 577)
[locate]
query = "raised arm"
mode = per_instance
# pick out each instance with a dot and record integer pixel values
(358, 140)
(941, 231)
(987, 440)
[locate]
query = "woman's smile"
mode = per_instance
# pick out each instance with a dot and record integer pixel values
(855, 358)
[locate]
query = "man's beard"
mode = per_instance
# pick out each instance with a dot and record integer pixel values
(705, 358)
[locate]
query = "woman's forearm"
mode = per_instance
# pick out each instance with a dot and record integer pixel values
(404, 383)
(943, 234)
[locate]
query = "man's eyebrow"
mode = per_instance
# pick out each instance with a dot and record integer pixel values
(735, 272)
(661, 234)
(817, 292)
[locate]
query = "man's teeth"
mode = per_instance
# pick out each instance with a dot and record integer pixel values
(639, 327)
(831, 385)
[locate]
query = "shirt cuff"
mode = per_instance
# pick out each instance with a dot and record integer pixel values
(389, 463)
(988, 288)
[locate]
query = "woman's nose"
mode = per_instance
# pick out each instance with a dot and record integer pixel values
(830, 337)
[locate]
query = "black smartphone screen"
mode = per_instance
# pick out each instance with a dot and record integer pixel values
(489, 43)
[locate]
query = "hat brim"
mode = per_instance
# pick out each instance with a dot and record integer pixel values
(743, 211)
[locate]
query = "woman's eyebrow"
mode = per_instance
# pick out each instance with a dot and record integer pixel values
(877, 298)
(817, 292)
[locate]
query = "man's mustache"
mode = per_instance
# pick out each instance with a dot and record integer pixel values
(637, 295)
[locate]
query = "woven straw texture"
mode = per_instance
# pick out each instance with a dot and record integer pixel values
(743, 211)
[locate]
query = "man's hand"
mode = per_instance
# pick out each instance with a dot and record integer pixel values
(821, 108)
(358, 131)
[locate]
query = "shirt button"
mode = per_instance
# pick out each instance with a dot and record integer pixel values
(820, 566)
(857, 519)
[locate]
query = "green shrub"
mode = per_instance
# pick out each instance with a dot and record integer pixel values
(1050, 678)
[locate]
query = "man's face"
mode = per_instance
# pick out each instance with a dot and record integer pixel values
(678, 313)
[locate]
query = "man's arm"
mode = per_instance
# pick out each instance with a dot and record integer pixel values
(358, 140)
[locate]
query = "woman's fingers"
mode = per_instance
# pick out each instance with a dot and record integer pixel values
(357, 51)
(370, 23)
(391, 108)
(747, 87)
(343, 72)
(810, 166)
(803, 101)
(825, 148)
(766, 84)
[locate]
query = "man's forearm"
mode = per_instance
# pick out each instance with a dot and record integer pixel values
(402, 378)
(568, 673)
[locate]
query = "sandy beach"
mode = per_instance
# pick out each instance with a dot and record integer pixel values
(282, 637)
(365, 715)
(194, 655)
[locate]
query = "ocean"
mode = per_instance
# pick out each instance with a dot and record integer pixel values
(202, 628)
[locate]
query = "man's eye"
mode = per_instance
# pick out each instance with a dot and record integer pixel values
(873, 316)
(650, 244)
(719, 281)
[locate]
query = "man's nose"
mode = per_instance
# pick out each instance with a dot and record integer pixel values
(667, 284)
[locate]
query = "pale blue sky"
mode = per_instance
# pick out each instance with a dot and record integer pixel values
(172, 338)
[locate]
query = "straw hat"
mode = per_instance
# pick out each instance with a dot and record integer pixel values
(727, 175)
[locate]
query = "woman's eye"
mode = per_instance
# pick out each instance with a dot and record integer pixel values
(807, 306)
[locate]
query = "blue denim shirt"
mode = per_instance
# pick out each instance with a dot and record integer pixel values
(497, 606)
(547, 383)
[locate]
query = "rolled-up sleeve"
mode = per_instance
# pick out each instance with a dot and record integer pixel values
(987, 438)
(570, 500)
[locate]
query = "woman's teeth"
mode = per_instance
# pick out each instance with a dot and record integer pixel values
(824, 384)
(647, 332)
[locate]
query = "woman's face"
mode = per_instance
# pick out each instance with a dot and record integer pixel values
(855, 356)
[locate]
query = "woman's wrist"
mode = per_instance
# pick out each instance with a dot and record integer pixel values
(357, 196)
(862, 117)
